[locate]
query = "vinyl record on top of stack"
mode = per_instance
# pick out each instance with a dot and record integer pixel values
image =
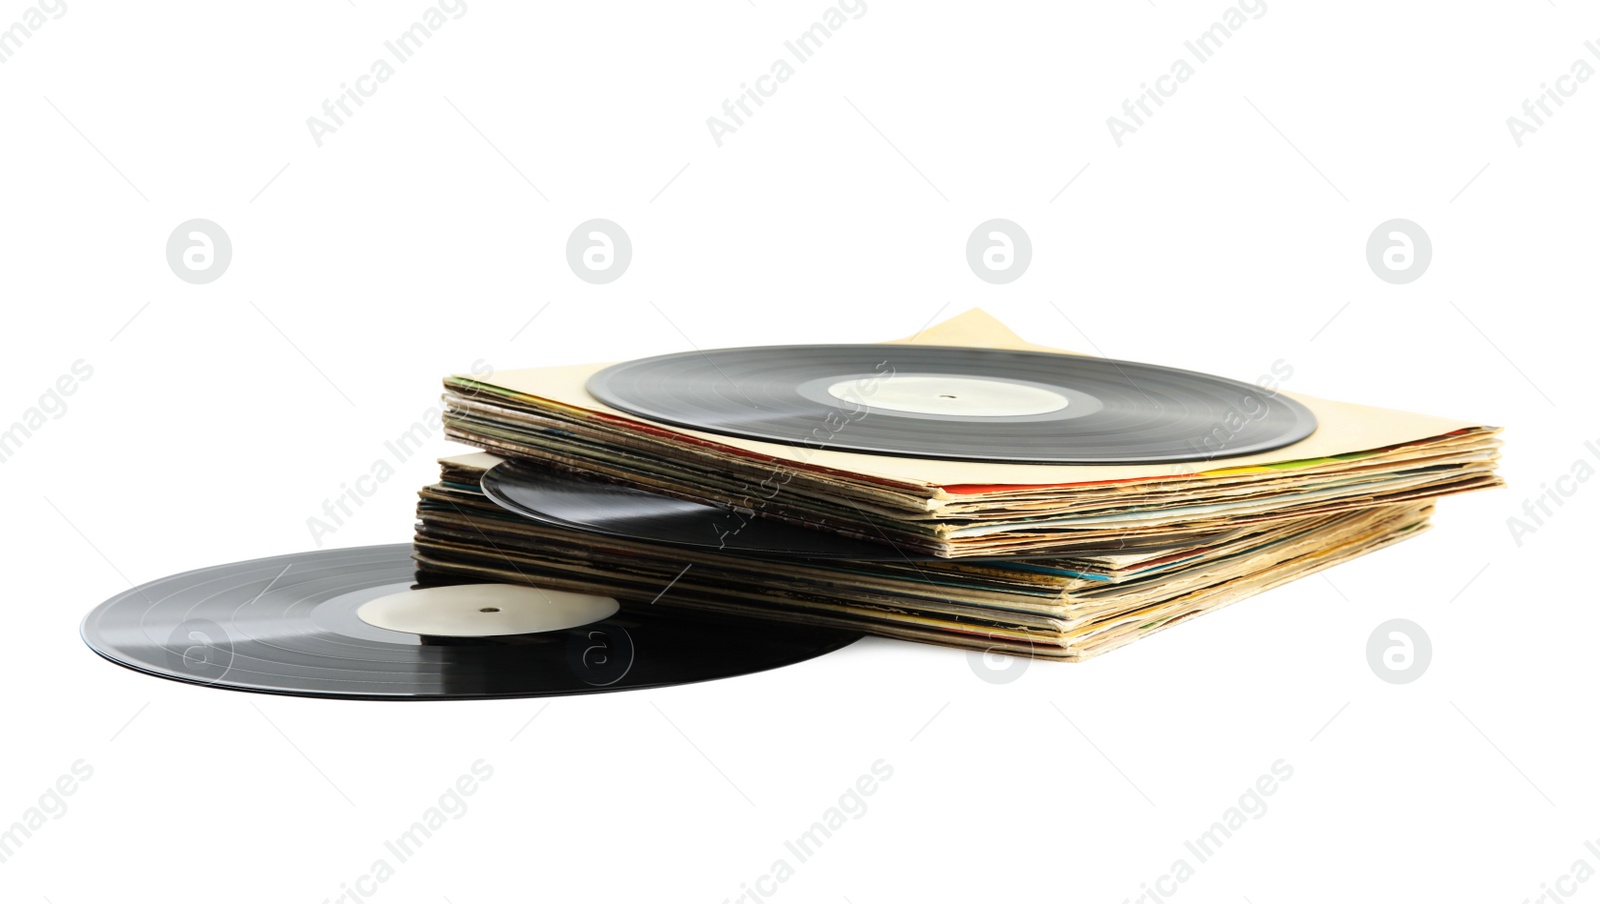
(978, 404)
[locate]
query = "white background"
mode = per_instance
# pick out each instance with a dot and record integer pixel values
(1226, 234)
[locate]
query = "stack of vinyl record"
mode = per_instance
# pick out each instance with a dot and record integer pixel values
(963, 487)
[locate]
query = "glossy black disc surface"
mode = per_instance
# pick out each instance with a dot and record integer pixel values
(288, 625)
(1052, 408)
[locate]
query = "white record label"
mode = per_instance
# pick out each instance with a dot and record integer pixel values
(950, 394)
(484, 610)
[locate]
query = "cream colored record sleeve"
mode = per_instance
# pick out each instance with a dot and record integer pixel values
(1342, 428)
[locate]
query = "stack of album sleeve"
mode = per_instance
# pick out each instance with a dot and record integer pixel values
(1050, 561)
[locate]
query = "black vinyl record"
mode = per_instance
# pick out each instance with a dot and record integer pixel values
(289, 625)
(973, 404)
(617, 510)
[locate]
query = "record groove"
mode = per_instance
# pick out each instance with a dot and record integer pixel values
(1035, 407)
